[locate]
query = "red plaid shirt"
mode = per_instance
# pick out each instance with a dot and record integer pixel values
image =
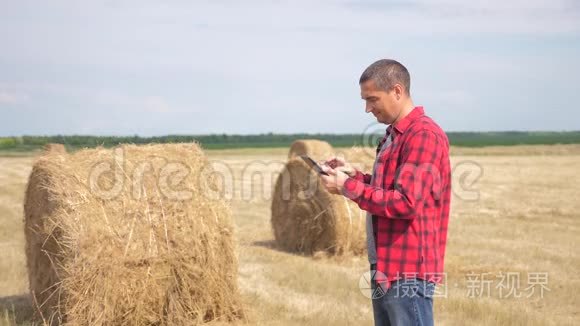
(409, 199)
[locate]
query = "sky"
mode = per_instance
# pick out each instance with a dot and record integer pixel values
(153, 68)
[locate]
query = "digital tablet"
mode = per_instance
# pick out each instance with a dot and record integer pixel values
(312, 163)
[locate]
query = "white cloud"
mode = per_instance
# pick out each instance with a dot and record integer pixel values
(204, 62)
(456, 98)
(156, 104)
(545, 17)
(8, 98)
(136, 33)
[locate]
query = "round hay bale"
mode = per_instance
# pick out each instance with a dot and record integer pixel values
(317, 149)
(58, 148)
(134, 235)
(306, 218)
(362, 158)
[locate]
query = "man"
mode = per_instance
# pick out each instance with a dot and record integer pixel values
(407, 198)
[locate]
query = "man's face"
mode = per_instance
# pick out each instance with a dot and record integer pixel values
(382, 104)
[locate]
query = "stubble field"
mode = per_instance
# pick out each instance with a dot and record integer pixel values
(511, 258)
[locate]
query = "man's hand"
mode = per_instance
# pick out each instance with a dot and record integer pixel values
(338, 163)
(334, 181)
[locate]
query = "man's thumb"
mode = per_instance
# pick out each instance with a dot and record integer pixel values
(345, 169)
(328, 170)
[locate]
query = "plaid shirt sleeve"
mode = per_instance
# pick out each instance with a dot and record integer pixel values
(365, 178)
(416, 177)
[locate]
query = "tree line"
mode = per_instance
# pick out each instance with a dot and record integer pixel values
(218, 141)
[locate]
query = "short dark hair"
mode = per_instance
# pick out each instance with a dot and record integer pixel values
(386, 73)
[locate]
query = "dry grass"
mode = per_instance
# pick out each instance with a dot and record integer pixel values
(525, 221)
(572, 149)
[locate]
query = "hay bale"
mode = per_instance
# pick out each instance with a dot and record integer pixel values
(361, 158)
(306, 218)
(140, 243)
(58, 148)
(317, 149)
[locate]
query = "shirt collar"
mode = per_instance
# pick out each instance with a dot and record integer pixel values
(403, 124)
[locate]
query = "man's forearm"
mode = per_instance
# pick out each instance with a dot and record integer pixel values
(381, 202)
(362, 177)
